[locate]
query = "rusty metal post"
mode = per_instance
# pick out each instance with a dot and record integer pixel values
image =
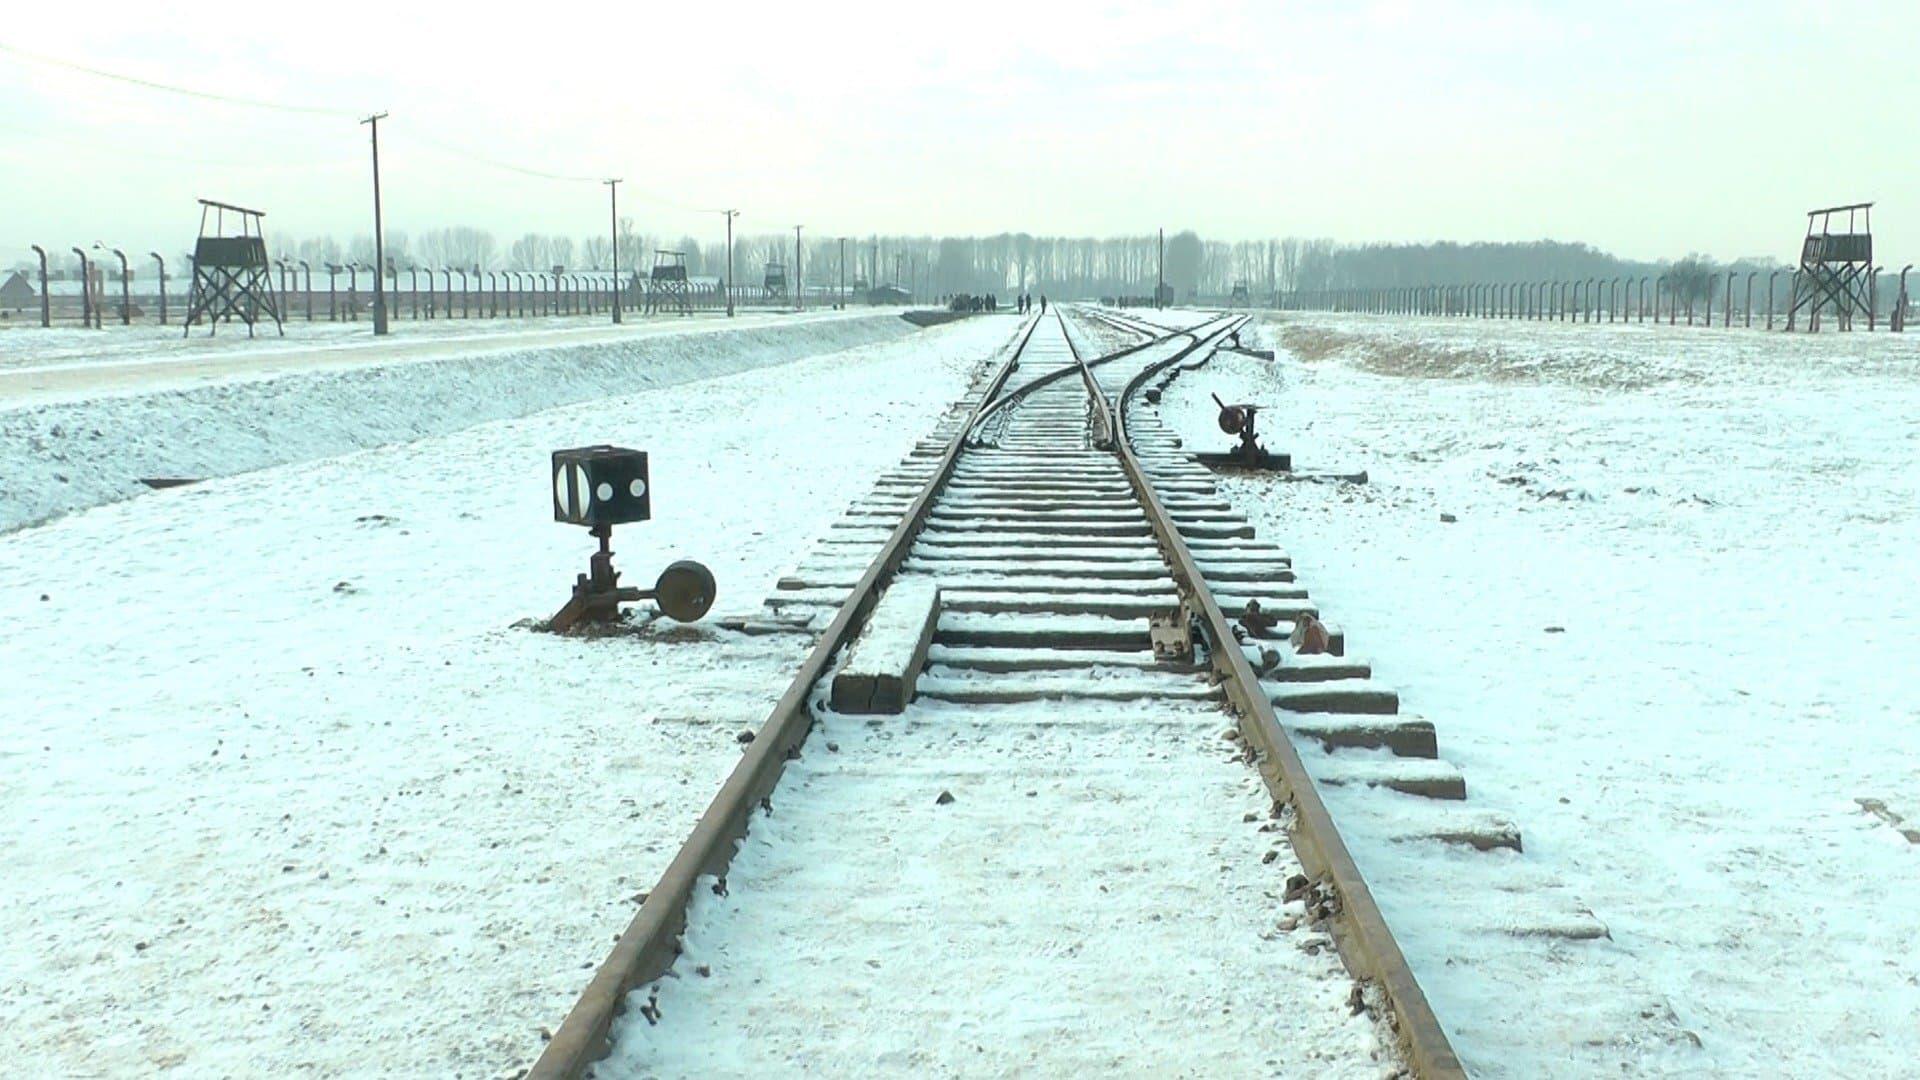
(1751, 274)
(1771, 274)
(1873, 295)
(1726, 318)
(1897, 322)
(353, 290)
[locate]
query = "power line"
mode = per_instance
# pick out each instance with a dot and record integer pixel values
(205, 95)
(315, 110)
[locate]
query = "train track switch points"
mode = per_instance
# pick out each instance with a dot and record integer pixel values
(1241, 420)
(600, 487)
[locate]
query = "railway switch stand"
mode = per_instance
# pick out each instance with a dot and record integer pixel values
(1241, 420)
(600, 487)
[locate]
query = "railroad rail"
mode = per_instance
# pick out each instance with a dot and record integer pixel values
(1052, 540)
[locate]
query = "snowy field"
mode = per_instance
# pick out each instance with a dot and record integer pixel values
(287, 790)
(85, 433)
(1666, 625)
(30, 349)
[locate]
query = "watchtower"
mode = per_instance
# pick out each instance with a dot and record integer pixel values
(776, 281)
(1242, 296)
(230, 271)
(1834, 267)
(667, 287)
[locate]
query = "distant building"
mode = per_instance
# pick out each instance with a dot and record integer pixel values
(17, 292)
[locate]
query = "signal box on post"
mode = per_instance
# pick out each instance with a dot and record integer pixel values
(600, 486)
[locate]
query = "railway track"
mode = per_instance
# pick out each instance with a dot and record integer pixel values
(1052, 850)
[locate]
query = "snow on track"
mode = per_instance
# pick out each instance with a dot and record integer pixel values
(1048, 863)
(284, 790)
(1096, 897)
(1668, 635)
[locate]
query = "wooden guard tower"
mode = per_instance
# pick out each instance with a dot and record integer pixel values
(667, 287)
(231, 276)
(1835, 267)
(776, 282)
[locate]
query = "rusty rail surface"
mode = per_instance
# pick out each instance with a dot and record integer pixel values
(1365, 940)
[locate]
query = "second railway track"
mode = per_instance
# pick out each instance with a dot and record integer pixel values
(1050, 860)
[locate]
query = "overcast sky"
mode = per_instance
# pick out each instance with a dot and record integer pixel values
(1642, 128)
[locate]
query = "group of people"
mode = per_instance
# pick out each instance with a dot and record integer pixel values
(991, 303)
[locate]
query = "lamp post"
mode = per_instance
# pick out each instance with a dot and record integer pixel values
(163, 285)
(46, 305)
(333, 308)
(86, 290)
(126, 302)
(308, 271)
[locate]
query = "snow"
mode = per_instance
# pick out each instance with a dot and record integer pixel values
(1103, 894)
(285, 785)
(199, 415)
(1670, 636)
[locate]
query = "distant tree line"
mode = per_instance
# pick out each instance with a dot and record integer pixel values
(1066, 267)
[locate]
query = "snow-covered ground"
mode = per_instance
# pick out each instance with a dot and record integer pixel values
(1666, 626)
(158, 413)
(28, 351)
(285, 789)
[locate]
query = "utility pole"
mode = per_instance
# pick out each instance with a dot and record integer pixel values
(727, 285)
(613, 223)
(799, 279)
(379, 240)
(841, 306)
(1160, 284)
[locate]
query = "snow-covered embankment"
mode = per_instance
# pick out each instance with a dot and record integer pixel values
(62, 457)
